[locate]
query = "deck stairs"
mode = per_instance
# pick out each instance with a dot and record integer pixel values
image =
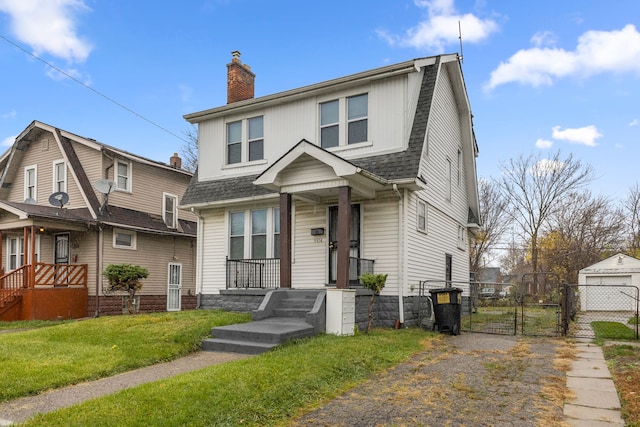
(283, 315)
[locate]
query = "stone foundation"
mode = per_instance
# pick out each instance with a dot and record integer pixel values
(114, 304)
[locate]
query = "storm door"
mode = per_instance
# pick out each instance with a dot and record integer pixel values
(61, 258)
(354, 251)
(174, 287)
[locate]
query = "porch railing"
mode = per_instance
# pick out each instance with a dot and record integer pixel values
(359, 266)
(253, 273)
(11, 284)
(265, 273)
(61, 274)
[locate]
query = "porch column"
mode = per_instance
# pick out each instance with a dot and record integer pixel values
(1, 245)
(344, 237)
(25, 247)
(285, 240)
(32, 255)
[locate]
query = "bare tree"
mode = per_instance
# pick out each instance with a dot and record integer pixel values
(631, 209)
(494, 220)
(535, 187)
(581, 232)
(189, 150)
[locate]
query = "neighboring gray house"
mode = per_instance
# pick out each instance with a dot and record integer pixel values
(610, 285)
(308, 188)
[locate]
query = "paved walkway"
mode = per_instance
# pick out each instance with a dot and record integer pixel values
(596, 400)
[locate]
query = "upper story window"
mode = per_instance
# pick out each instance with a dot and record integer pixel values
(422, 216)
(59, 176)
(344, 121)
(462, 237)
(124, 239)
(245, 140)
(447, 188)
(170, 210)
(459, 168)
(31, 182)
(123, 175)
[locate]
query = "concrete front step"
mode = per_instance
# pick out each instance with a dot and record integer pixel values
(258, 336)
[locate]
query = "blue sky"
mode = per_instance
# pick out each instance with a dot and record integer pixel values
(541, 76)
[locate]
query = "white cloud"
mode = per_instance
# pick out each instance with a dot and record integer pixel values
(48, 26)
(544, 38)
(544, 143)
(634, 122)
(10, 115)
(72, 73)
(441, 27)
(8, 141)
(546, 166)
(585, 135)
(597, 52)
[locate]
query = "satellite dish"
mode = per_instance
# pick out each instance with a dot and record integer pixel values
(30, 201)
(105, 186)
(59, 198)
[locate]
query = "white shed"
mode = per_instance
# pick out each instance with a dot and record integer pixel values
(602, 285)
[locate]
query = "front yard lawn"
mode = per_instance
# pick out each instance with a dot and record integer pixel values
(624, 364)
(50, 357)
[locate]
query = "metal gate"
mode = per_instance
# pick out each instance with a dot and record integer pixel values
(541, 307)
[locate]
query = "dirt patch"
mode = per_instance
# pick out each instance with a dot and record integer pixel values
(468, 380)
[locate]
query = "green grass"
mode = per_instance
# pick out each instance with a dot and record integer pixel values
(633, 320)
(612, 331)
(265, 390)
(69, 353)
(31, 324)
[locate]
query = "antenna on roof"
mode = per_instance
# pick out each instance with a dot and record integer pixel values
(104, 186)
(461, 57)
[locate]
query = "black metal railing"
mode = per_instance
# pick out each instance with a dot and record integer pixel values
(253, 273)
(359, 266)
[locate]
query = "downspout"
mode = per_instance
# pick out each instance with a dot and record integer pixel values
(99, 243)
(401, 251)
(199, 266)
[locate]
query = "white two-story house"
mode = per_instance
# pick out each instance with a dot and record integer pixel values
(311, 187)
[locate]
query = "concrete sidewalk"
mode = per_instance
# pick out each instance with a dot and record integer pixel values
(596, 400)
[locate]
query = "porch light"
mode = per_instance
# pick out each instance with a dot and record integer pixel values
(41, 230)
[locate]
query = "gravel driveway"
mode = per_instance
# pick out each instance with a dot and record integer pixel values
(465, 380)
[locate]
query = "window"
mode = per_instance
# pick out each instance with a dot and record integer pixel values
(329, 127)
(123, 176)
(124, 239)
(448, 268)
(236, 235)
(31, 182)
(234, 142)
(447, 189)
(459, 168)
(253, 128)
(59, 176)
(262, 239)
(357, 111)
(256, 138)
(259, 234)
(349, 113)
(462, 237)
(15, 252)
(170, 210)
(422, 216)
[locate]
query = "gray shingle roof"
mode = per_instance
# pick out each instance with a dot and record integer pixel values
(402, 165)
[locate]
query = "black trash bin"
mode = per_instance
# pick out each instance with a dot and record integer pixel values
(447, 303)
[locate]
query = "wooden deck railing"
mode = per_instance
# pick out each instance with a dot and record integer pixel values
(12, 283)
(52, 275)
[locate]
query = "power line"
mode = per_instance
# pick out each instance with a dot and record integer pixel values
(124, 107)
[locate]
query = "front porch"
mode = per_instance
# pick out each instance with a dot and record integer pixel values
(44, 292)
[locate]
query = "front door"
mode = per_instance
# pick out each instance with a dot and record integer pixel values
(354, 251)
(174, 287)
(61, 249)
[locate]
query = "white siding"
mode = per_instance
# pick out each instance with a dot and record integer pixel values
(212, 265)
(309, 269)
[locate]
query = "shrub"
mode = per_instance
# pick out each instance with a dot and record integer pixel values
(127, 278)
(375, 283)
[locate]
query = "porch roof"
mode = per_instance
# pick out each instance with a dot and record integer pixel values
(26, 210)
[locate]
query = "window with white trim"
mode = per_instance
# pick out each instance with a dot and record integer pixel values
(31, 182)
(170, 210)
(262, 239)
(462, 237)
(123, 175)
(344, 121)
(459, 168)
(447, 188)
(245, 140)
(124, 239)
(59, 176)
(15, 252)
(421, 216)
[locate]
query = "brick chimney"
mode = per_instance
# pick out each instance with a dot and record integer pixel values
(240, 80)
(175, 161)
